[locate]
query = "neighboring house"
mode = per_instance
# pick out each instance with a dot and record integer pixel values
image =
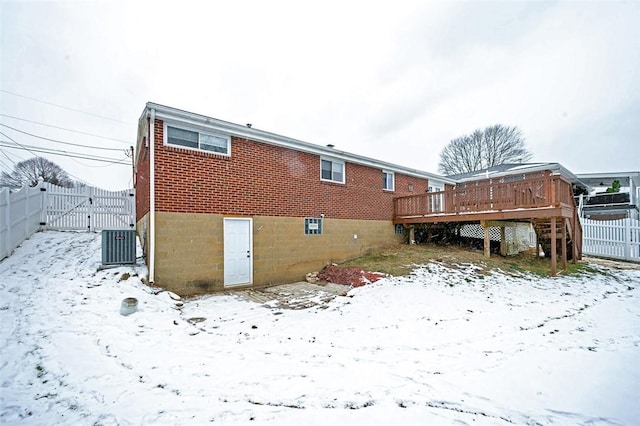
(515, 169)
(223, 205)
(600, 205)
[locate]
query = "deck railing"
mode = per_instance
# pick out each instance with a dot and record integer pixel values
(522, 191)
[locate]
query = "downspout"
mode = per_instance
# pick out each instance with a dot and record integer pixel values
(152, 196)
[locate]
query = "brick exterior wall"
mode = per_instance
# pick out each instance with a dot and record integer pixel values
(266, 180)
(277, 187)
(142, 181)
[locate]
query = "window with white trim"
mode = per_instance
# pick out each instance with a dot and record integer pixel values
(211, 142)
(388, 183)
(312, 225)
(332, 170)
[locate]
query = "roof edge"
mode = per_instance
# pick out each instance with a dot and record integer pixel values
(175, 114)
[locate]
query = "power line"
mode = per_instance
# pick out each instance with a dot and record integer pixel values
(65, 128)
(8, 158)
(5, 164)
(17, 143)
(66, 107)
(59, 141)
(67, 154)
(32, 149)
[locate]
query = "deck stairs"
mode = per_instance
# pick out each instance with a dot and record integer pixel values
(544, 232)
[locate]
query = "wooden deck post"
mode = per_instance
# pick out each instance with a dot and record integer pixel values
(564, 243)
(503, 241)
(574, 244)
(487, 238)
(412, 234)
(554, 250)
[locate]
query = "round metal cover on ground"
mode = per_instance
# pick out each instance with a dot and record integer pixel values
(128, 306)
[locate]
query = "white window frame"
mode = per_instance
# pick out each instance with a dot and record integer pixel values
(334, 161)
(386, 181)
(199, 132)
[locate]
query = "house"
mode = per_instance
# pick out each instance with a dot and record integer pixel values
(599, 204)
(222, 205)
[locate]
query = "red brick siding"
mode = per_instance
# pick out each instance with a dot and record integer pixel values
(142, 181)
(262, 179)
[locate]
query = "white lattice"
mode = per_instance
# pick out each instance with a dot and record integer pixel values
(518, 238)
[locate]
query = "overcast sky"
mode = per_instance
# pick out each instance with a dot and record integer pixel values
(390, 80)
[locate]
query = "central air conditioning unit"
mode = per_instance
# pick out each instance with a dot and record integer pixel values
(118, 246)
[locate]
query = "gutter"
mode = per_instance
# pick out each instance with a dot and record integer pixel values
(152, 196)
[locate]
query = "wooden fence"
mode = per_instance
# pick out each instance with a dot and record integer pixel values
(48, 206)
(617, 239)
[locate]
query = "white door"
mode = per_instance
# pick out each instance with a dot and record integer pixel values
(238, 252)
(436, 200)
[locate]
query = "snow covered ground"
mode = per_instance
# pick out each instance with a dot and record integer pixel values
(443, 346)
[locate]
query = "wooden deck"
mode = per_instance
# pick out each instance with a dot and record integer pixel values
(534, 197)
(523, 196)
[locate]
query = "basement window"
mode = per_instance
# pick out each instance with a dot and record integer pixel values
(332, 170)
(204, 141)
(313, 226)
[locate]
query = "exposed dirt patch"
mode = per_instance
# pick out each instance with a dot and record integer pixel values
(353, 276)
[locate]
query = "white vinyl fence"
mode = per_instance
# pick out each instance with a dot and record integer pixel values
(48, 206)
(88, 208)
(20, 216)
(618, 239)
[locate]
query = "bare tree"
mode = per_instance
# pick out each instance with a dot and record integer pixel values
(30, 171)
(482, 149)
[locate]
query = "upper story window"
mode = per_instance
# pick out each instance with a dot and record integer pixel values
(332, 170)
(388, 181)
(211, 142)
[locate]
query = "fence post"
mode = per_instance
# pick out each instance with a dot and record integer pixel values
(27, 198)
(627, 238)
(90, 199)
(132, 208)
(8, 220)
(43, 205)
